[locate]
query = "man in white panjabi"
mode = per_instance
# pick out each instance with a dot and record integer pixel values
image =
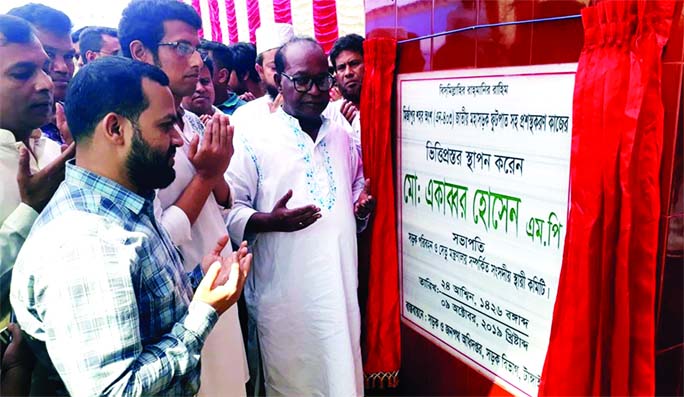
(191, 208)
(299, 188)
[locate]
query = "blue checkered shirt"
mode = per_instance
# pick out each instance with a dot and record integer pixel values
(100, 286)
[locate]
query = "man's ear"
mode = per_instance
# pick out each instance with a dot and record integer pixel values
(90, 56)
(223, 75)
(140, 53)
(260, 70)
(114, 128)
(278, 78)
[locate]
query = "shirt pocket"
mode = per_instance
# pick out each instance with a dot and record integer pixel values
(158, 281)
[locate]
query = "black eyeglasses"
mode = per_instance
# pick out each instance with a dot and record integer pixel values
(182, 48)
(304, 83)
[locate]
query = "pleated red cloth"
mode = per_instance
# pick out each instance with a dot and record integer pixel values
(603, 333)
(382, 341)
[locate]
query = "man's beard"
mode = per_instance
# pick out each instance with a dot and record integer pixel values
(353, 97)
(272, 91)
(149, 168)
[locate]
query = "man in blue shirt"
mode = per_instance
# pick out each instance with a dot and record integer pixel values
(221, 55)
(99, 287)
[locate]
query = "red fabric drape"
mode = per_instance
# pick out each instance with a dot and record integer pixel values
(253, 18)
(325, 23)
(216, 34)
(602, 338)
(282, 11)
(382, 336)
(232, 21)
(198, 8)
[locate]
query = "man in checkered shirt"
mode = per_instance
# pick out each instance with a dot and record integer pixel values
(99, 287)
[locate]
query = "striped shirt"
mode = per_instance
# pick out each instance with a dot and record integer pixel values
(100, 287)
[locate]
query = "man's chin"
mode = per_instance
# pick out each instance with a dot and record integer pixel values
(167, 179)
(158, 181)
(182, 90)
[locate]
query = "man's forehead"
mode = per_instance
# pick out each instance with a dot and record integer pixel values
(14, 53)
(58, 42)
(348, 55)
(175, 30)
(304, 57)
(110, 42)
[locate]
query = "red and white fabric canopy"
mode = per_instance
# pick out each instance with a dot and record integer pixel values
(230, 21)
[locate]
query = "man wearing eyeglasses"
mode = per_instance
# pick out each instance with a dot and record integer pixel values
(192, 207)
(98, 41)
(299, 188)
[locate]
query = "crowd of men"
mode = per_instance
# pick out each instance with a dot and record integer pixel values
(147, 177)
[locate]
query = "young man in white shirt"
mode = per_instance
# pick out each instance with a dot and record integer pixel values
(164, 33)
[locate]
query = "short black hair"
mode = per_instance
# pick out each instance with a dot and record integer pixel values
(209, 64)
(221, 55)
(351, 42)
(144, 20)
(76, 34)
(91, 39)
(15, 30)
(244, 58)
(43, 17)
(121, 79)
(280, 54)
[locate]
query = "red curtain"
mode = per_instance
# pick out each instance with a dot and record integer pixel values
(603, 333)
(381, 334)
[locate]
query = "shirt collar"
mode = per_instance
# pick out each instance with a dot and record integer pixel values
(232, 100)
(294, 123)
(82, 178)
(7, 138)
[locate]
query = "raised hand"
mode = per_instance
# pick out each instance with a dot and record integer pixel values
(215, 255)
(334, 93)
(365, 204)
(37, 189)
(282, 219)
(212, 157)
(205, 119)
(349, 111)
(221, 296)
(62, 126)
(275, 105)
(247, 96)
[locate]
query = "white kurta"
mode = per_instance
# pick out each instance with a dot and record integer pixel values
(224, 365)
(302, 287)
